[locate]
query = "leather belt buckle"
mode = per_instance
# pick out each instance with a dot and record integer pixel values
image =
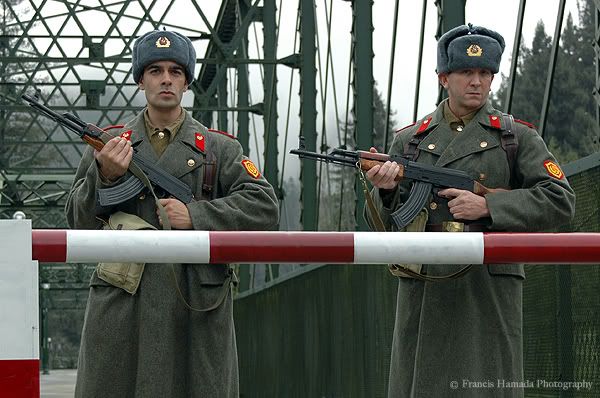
(453, 226)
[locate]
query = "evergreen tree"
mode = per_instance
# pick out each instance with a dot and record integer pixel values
(571, 128)
(338, 197)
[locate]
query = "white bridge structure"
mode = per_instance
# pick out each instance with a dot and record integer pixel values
(22, 249)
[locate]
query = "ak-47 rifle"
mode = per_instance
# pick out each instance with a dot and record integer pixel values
(426, 178)
(95, 136)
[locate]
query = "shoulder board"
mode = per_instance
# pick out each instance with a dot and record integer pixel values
(117, 126)
(531, 126)
(405, 127)
(223, 133)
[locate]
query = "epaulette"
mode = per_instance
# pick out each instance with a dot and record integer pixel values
(405, 127)
(531, 126)
(223, 133)
(124, 134)
(116, 126)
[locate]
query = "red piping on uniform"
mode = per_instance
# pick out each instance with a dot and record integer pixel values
(541, 248)
(230, 247)
(49, 245)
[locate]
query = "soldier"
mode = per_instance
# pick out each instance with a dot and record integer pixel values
(462, 335)
(159, 330)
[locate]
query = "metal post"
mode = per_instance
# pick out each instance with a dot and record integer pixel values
(222, 101)
(515, 57)
(44, 329)
(243, 120)
(420, 61)
(271, 170)
(451, 13)
(362, 37)
(308, 113)
(597, 51)
(552, 66)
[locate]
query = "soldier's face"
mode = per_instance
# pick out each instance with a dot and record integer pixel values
(164, 84)
(468, 89)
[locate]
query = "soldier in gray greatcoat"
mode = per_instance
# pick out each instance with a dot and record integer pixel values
(165, 330)
(463, 337)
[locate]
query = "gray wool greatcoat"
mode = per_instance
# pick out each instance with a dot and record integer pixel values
(451, 334)
(149, 344)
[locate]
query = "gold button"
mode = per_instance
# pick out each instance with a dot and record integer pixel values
(431, 146)
(483, 144)
(161, 135)
(191, 162)
(142, 197)
(459, 128)
(481, 176)
(494, 117)
(433, 205)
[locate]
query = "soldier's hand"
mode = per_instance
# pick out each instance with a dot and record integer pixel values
(465, 205)
(114, 158)
(178, 213)
(382, 176)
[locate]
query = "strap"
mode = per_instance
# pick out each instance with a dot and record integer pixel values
(225, 288)
(411, 148)
(209, 175)
(139, 173)
(380, 227)
(510, 144)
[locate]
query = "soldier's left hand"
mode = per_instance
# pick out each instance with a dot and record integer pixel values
(178, 213)
(465, 205)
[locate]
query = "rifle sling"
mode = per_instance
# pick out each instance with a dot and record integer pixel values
(139, 173)
(380, 227)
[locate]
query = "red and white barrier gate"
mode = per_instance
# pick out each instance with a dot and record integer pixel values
(314, 247)
(19, 324)
(19, 352)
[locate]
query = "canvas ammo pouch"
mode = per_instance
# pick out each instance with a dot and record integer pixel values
(126, 276)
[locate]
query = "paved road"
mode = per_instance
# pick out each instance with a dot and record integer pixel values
(60, 383)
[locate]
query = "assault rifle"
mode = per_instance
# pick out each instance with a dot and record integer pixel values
(164, 183)
(426, 178)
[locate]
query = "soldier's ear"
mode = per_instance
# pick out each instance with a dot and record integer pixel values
(141, 83)
(443, 79)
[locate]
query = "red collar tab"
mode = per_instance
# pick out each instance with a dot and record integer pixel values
(126, 135)
(495, 122)
(223, 133)
(424, 125)
(200, 141)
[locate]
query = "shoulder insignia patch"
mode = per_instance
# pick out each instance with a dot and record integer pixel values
(553, 170)
(223, 133)
(250, 168)
(424, 125)
(495, 122)
(200, 141)
(405, 127)
(531, 126)
(126, 135)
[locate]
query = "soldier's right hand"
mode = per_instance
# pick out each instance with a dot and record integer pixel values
(114, 158)
(383, 176)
